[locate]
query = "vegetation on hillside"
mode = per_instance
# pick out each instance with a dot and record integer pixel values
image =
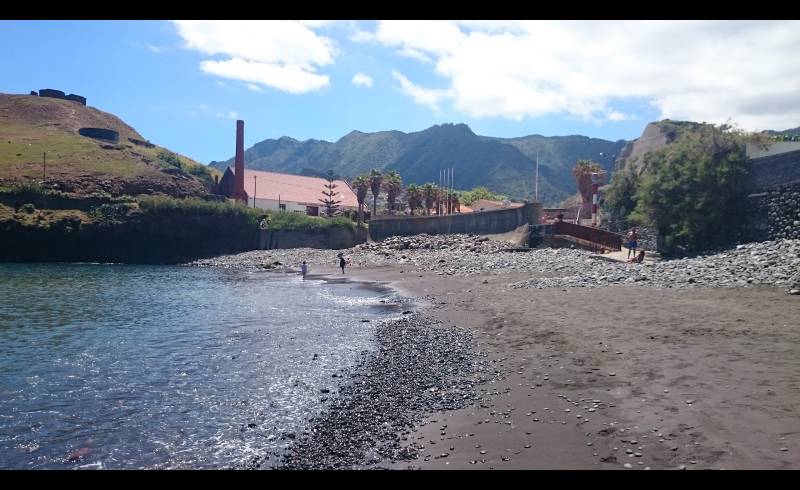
(472, 195)
(692, 190)
(506, 165)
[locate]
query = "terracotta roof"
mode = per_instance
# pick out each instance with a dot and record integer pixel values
(488, 205)
(295, 188)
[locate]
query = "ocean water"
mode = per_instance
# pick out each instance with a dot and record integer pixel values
(120, 366)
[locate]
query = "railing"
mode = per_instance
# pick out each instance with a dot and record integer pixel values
(607, 239)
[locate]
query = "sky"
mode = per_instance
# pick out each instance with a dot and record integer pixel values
(182, 84)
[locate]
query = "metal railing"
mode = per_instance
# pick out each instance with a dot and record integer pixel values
(606, 239)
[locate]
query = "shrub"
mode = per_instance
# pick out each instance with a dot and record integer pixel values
(299, 221)
(693, 189)
(110, 213)
(160, 204)
(169, 158)
(470, 196)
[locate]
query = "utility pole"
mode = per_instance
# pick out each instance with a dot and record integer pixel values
(44, 165)
(439, 192)
(254, 190)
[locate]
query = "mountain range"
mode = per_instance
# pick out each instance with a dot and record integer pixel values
(504, 165)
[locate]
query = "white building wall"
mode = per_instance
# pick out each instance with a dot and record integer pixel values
(775, 148)
(272, 205)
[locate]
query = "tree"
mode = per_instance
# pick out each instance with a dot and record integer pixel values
(375, 184)
(470, 196)
(456, 203)
(429, 194)
(694, 189)
(393, 185)
(582, 171)
(415, 197)
(361, 184)
(620, 196)
(331, 204)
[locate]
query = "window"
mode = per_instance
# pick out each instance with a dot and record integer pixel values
(312, 210)
(282, 206)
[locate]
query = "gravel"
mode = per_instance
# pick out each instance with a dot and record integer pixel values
(771, 263)
(419, 367)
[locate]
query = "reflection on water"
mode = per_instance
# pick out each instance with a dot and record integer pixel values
(115, 366)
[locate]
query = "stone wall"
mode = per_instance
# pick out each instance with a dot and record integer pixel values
(58, 94)
(774, 213)
(481, 223)
(100, 133)
(335, 237)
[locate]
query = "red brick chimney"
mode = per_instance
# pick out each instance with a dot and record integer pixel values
(238, 182)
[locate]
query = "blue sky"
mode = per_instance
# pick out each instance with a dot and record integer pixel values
(183, 84)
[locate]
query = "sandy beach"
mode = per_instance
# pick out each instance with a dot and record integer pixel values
(690, 364)
(614, 377)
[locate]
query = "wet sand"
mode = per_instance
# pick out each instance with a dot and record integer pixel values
(607, 377)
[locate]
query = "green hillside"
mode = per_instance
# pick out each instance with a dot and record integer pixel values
(504, 165)
(31, 126)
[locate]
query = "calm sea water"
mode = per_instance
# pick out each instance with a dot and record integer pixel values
(116, 366)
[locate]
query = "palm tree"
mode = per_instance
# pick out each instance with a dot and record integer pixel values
(429, 194)
(415, 197)
(582, 171)
(456, 203)
(361, 184)
(393, 185)
(375, 184)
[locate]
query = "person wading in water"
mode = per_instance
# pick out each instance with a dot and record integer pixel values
(304, 269)
(342, 262)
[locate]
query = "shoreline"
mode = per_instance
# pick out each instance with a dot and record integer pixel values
(611, 377)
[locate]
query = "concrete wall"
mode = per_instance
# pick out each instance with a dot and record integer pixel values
(335, 237)
(483, 223)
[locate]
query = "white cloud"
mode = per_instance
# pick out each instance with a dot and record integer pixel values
(362, 80)
(360, 36)
(288, 78)
(617, 116)
(155, 49)
(228, 115)
(254, 87)
(416, 54)
(220, 83)
(421, 95)
(284, 55)
(699, 70)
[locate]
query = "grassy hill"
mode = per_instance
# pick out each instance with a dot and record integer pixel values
(31, 125)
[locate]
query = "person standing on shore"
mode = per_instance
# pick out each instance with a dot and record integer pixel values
(304, 269)
(632, 237)
(342, 262)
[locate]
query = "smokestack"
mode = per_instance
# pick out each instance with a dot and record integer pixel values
(238, 192)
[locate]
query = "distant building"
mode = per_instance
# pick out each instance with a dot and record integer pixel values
(277, 191)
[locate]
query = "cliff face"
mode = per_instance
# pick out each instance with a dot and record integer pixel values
(655, 136)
